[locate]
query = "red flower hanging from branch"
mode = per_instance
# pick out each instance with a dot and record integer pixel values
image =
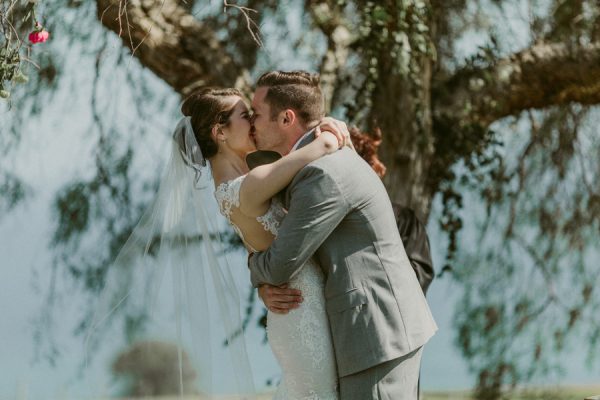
(39, 35)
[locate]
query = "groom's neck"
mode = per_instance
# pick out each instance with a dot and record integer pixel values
(282, 148)
(295, 135)
(292, 135)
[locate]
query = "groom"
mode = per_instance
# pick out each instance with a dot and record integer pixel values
(340, 214)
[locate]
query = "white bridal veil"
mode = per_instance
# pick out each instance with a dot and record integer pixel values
(172, 286)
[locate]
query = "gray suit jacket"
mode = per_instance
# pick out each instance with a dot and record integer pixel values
(340, 213)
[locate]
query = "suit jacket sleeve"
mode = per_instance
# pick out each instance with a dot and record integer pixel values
(416, 243)
(317, 206)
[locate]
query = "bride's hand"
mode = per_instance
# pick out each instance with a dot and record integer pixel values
(329, 140)
(336, 127)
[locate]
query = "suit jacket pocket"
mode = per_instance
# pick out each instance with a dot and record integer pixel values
(348, 318)
(353, 298)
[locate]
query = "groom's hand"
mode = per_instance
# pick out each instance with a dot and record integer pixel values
(280, 299)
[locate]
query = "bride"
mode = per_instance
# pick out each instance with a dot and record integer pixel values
(221, 126)
(179, 233)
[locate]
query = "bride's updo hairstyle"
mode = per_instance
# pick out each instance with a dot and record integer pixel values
(206, 108)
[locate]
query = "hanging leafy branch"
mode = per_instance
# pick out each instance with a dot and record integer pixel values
(14, 51)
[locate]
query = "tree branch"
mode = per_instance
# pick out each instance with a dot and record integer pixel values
(168, 40)
(242, 29)
(541, 76)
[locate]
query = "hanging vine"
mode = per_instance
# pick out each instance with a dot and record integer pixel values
(393, 37)
(15, 21)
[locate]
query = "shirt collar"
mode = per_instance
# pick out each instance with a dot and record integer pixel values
(301, 139)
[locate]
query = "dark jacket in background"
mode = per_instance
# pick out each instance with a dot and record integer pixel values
(416, 243)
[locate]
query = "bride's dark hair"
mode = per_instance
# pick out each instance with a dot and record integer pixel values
(207, 107)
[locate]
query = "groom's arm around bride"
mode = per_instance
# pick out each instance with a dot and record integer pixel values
(280, 299)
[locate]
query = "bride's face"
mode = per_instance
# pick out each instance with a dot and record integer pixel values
(237, 132)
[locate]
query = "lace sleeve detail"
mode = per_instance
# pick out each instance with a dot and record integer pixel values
(272, 219)
(228, 195)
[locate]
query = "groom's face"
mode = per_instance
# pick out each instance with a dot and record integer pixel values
(267, 132)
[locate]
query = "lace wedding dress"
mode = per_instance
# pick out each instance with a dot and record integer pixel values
(301, 339)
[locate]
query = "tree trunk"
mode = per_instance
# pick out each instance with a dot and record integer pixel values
(402, 110)
(407, 144)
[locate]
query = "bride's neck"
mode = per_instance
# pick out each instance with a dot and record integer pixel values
(227, 166)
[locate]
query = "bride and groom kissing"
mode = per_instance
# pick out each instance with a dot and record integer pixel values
(319, 224)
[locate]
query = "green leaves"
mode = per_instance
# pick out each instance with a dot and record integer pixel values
(396, 34)
(10, 60)
(73, 206)
(380, 16)
(12, 191)
(20, 77)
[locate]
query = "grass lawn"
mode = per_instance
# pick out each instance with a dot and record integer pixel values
(549, 393)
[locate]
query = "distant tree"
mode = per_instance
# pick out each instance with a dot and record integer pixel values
(508, 130)
(151, 368)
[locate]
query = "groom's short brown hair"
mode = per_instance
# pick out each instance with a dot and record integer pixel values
(297, 90)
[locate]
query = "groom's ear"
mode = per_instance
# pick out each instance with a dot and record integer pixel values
(288, 117)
